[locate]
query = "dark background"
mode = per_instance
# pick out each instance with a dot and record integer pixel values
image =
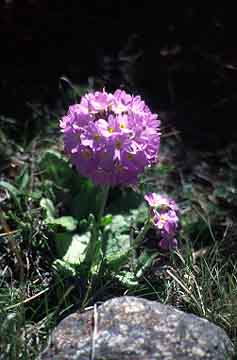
(183, 60)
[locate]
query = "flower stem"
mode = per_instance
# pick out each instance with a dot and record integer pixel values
(91, 250)
(105, 193)
(137, 241)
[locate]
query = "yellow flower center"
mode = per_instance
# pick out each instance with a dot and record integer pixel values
(163, 218)
(130, 156)
(96, 137)
(110, 130)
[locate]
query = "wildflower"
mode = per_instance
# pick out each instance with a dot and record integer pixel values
(168, 243)
(164, 217)
(111, 138)
(160, 202)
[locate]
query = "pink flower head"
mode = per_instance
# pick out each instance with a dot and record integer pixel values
(167, 221)
(111, 138)
(164, 216)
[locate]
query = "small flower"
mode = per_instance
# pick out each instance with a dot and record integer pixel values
(168, 243)
(111, 138)
(164, 217)
(160, 202)
(167, 221)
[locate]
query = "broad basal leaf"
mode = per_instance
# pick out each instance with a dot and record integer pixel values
(68, 222)
(117, 239)
(76, 251)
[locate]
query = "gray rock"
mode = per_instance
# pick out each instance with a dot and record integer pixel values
(137, 329)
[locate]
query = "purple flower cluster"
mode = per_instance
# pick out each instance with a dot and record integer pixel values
(164, 215)
(111, 138)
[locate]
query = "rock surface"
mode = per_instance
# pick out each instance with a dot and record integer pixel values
(137, 329)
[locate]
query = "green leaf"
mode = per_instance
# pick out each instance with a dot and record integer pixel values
(68, 222)
(117, 235)
(144, 261)
(13, 191)
(10, 188)
(82, 195)
(36, 195)
(117, 239)
(124, 201)
(76, 251)
(139, 215)
(64, 268)
(127, 279)
(48, 205)
(117, 245)
(62, 243)
(23, 179)
(106, 220)
(120, 224)
(87, 199)
(56, 167)
(117, 260)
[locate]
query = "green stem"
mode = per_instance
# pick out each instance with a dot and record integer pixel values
(95, 230)
(105, 193)
(137, 241)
